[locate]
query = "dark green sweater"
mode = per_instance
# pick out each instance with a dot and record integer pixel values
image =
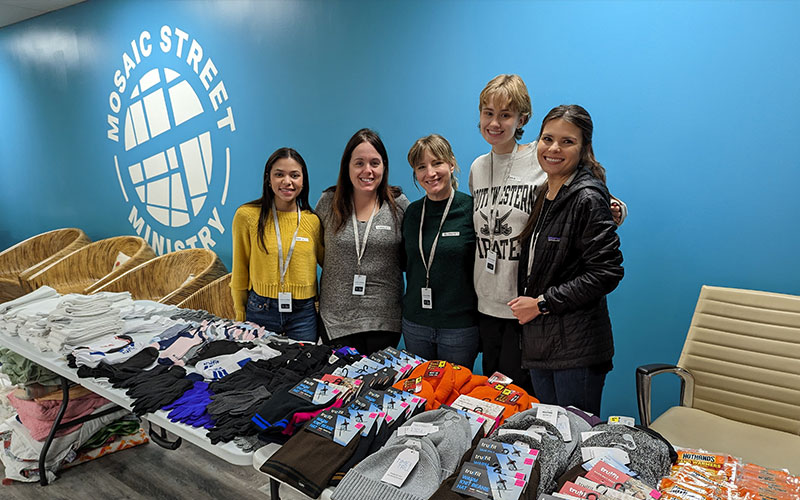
(455, 304)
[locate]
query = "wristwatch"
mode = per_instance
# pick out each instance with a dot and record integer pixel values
(543, 305)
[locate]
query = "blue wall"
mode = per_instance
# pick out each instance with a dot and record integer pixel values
(695, 107)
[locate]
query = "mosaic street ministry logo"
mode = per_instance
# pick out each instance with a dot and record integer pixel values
(170, 117)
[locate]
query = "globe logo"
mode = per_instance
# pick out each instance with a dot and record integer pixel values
(163, 125)
(172, 184)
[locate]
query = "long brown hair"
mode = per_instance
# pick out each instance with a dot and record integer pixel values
(265, 202)
(343, 191)
(578, 116)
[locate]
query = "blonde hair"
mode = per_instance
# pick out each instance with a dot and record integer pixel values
(439, 148)
(512, 89)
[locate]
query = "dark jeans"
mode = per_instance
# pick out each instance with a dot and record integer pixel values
(456, 345)
(578, 387)
(300, 324)
(500, 340)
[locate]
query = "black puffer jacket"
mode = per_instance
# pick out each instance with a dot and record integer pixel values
(577, 262)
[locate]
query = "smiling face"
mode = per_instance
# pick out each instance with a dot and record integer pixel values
(434, 175)
(366, 168)
(499, 123)
(559, 148)
(286, 181)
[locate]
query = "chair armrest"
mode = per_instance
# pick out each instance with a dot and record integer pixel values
(644, 375)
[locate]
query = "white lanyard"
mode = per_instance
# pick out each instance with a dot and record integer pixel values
(283, 265)
(363, 246)
(429, 262)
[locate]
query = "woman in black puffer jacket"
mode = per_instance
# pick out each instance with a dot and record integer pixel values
(570, 261)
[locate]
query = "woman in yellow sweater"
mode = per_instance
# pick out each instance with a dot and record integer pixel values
(277, 243)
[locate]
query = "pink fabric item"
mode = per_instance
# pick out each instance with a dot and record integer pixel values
(38, 417)
(175, 352)
(301, 417)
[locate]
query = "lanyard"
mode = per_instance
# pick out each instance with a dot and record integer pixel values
(493, 204)
(429, 262)
(283, 265)
(363, 246)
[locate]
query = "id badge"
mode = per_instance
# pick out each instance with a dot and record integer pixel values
(285, 302)
(427, 298)
(359, 284)
(491, 261)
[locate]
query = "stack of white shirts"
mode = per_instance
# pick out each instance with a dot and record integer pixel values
(80, 319)
(26, 316)
(145, 309)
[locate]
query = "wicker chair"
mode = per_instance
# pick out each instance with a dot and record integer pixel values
(88, 268)
(214, 298)
(170, 278)
(29, 256)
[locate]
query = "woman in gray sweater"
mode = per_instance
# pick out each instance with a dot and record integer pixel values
(362, 281)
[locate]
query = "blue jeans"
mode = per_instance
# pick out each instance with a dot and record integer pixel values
(578, 387)
(300, 324)
(456, 345)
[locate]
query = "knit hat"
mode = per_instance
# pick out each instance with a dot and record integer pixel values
(495, 394)
(451, 440)
(552, 449)
(364, 480)
(650, 454)
(461, 376)
(472, 383)
(439, 375)
(577, 425)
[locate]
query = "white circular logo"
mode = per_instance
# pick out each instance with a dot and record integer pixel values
(173, 160)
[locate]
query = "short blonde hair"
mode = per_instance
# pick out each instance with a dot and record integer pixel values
(512, 89)
(439, 148)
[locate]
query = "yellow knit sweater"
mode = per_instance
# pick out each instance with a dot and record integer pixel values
(254, 269)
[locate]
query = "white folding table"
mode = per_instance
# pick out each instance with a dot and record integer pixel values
(55, 363)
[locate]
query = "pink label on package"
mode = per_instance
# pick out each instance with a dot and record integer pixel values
(528, 461)
(358, 426)
(519, 483)
(403, 404)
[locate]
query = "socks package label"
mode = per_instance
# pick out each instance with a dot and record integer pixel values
(487, 483)
(495, 470)
(518, 461)
(490, 411)
(316, 391)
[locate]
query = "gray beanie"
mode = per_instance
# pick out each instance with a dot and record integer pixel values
(452, 439)
(363, 482)
(650, 456)
(576, 426)
(553, 455)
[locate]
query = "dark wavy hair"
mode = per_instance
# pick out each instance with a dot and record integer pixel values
(578, 116)
(342, 205)
(267, 196)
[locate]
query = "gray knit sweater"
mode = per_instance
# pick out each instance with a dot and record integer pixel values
(379, 309)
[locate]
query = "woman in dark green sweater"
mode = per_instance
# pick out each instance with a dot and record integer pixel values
(439, 306)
